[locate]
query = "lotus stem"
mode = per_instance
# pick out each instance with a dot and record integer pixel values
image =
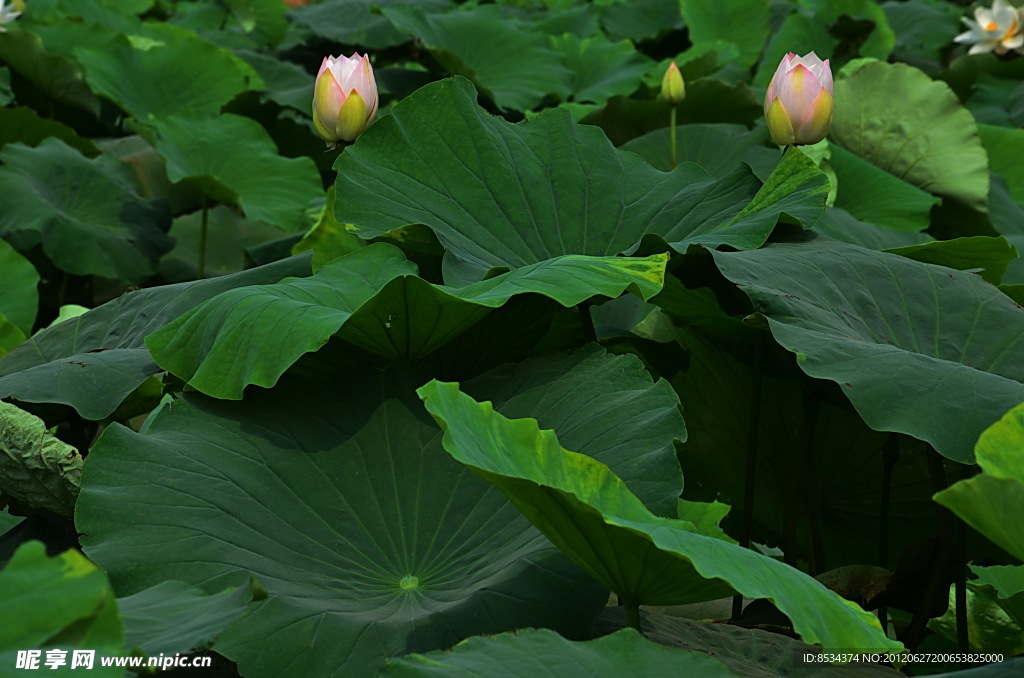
(812, 407)
(890, 455)
(672, 135)
(750, 477)
(633, 617)
(203, 223)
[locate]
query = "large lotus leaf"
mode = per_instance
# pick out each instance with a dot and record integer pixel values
(588, 512)
(374, 298)
(19, 298)
(708, 100)
(631, 427)
(990, 502)
(989, 257)
(747, 652)
(990, 629)
(542, 652)
(1009, 668)
(514, 67)
(60, 602)
(600, 68)
(718, 148)
(10, 336)
(498, 194)
(37, 471)
(358, 22)
(1004, 146)
(641, 19)
(1003, 584)
(179, 73)
(371, 541)
(878, 197)
(58, 77)
(173, 617)
(228, 235)
(742, 22)
(924, 29)
(917, 348)
(26, 126)
(328, 239)
(923, 136)
(94, 361)
(839, 224)
(234, 160)
(85, 212)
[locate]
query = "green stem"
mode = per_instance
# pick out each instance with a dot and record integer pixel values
(890, 455)
(817, 553)
(963, 640)
(750, 478)
(203, 222)
(633, 617)
(672, 135)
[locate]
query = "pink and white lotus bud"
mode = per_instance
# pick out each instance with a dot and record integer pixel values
(798, 105)
(345, 98)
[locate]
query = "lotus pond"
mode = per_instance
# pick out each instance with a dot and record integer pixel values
(517, 338)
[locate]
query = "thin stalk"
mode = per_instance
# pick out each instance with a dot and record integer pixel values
(672, 135)
(203, 223)
(750, 477)
(890, 455)
(633, 617)
(939, 560)
(810, 468)
(963, 640)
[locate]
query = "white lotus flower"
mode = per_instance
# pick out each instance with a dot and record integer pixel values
(7, 15)
(993, 30)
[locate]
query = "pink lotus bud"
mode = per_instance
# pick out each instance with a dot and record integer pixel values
(345, 98)
(798, 105)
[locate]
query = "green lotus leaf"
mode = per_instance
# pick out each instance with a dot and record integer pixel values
(37, 471)
(173, 617)
(600, 68)
(878, 197)
(923, 136)
(744, 23)
(989, 501)
(373, 299)
(94, 361)
(371, 541)
(57, 77)
(588, 512)
(543, 652)
(514, 67)
(917, 348)
(26, 126)
(232, 159)
(362, 25)
(19, 298)
(179, 74)
(63, 602)
(486, 188)
(86, 213)
(989, 257)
